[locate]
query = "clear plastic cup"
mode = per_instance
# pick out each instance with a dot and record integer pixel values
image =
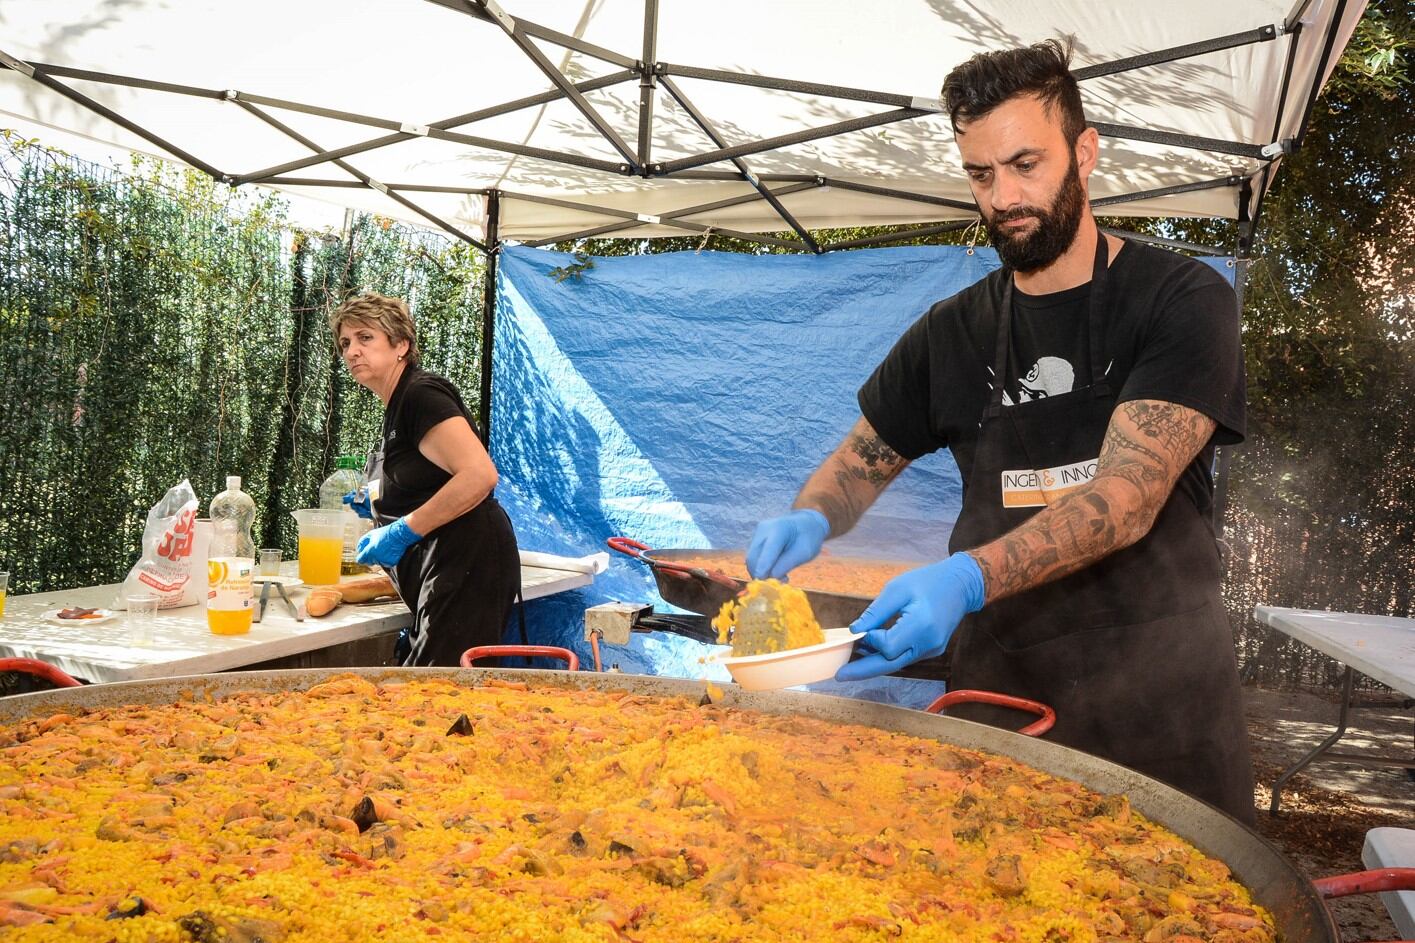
(270, 562)
(142, 613)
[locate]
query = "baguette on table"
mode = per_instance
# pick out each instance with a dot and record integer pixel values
(323, 599)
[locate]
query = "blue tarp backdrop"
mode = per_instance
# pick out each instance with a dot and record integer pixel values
(680, 398)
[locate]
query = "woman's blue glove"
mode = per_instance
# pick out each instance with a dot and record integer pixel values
(930, 602)
(783, 543)
(360, 505)
(386, 545)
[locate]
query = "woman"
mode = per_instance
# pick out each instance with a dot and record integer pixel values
(443, 538)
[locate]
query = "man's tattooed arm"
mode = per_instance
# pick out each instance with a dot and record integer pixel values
(850, 479)
(1147, 445)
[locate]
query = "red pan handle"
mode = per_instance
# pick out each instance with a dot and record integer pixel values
(40, 669)
(1366, 882)
(550, 651)
(635, 549)
(965, 696)
(630, 547)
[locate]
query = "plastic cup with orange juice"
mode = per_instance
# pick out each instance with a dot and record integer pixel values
(228, 595)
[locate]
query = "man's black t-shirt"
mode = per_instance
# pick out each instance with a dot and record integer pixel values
(1172, 335)
(1050, 345)
(420, 401)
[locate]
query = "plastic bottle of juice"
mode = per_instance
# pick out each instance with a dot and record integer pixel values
(230, 562)
(348, 476)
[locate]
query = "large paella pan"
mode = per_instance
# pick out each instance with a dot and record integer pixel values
(1274, 884)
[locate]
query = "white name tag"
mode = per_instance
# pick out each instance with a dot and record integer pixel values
(1029, 488)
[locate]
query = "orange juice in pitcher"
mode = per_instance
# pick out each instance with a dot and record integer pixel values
(228, 596)
(321, 545)
(320, 560)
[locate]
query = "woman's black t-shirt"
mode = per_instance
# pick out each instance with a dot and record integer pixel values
(419, 402)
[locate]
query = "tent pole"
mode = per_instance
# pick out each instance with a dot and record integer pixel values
(403, 130)
(632, 220)
(40, 74)
(368, 181)
(787, 140)
(672, 221)
(516, 31)
(488, 311)
(1161, 241)
(648, 83)
(718, 141)
(1242, 247)
(1327, 45)
(1262, 34)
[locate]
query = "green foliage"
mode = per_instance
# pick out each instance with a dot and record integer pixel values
(1324, 492)
(582, 264)
(157, 326)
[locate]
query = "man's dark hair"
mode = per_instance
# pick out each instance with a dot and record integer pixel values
(990, 78)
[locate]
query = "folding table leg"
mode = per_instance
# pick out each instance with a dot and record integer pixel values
(1321, 748)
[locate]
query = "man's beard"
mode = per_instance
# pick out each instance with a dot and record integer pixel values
(1055, 230)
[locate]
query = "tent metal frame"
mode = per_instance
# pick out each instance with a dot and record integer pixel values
(637, 158)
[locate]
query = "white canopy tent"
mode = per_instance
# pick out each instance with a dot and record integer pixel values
(550, 118)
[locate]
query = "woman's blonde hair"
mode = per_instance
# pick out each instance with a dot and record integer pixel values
(389, 315)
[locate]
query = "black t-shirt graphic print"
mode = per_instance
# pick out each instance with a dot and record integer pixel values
(1050, 351)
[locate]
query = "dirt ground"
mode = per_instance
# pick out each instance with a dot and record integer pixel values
(1328, 807)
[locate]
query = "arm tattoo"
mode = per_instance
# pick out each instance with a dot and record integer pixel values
(850, 480)
(1147, 445)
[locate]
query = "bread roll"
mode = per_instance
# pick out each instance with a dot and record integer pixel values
(322, 601)
(365, 588)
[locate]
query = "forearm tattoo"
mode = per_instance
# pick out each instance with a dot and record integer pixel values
(1147, 445)
(850, 480)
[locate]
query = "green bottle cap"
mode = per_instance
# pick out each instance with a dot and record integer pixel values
(349, 461)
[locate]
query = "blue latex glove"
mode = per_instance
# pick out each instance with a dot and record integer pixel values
(930, 602)
(386, 545)
(783, 543)
(360, 505)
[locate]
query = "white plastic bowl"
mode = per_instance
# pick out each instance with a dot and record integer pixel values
(793, 666)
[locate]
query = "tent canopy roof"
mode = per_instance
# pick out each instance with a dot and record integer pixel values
(631, 111)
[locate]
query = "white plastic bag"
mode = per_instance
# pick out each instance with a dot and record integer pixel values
(170, 567)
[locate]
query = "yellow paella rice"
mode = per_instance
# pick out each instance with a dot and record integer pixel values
(424, 810)
(790, 624)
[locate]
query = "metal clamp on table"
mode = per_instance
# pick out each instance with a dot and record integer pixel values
(279, 583)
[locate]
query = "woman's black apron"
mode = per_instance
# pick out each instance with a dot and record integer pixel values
(461, 581)
(1134, 652)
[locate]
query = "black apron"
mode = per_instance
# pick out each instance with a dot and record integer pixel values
(460, 581)
(1134, 652)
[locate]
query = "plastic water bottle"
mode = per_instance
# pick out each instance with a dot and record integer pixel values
(230, 561)
(348, 476)
(232, 515)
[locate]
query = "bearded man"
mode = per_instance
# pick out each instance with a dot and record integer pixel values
(1083, 568)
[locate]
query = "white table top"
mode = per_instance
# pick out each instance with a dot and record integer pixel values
(182, 644)
(1393, 848)
(1381, 647)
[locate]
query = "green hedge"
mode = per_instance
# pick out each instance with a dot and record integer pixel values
(156, 326)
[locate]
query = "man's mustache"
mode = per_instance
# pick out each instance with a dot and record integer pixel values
(1018, 213)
